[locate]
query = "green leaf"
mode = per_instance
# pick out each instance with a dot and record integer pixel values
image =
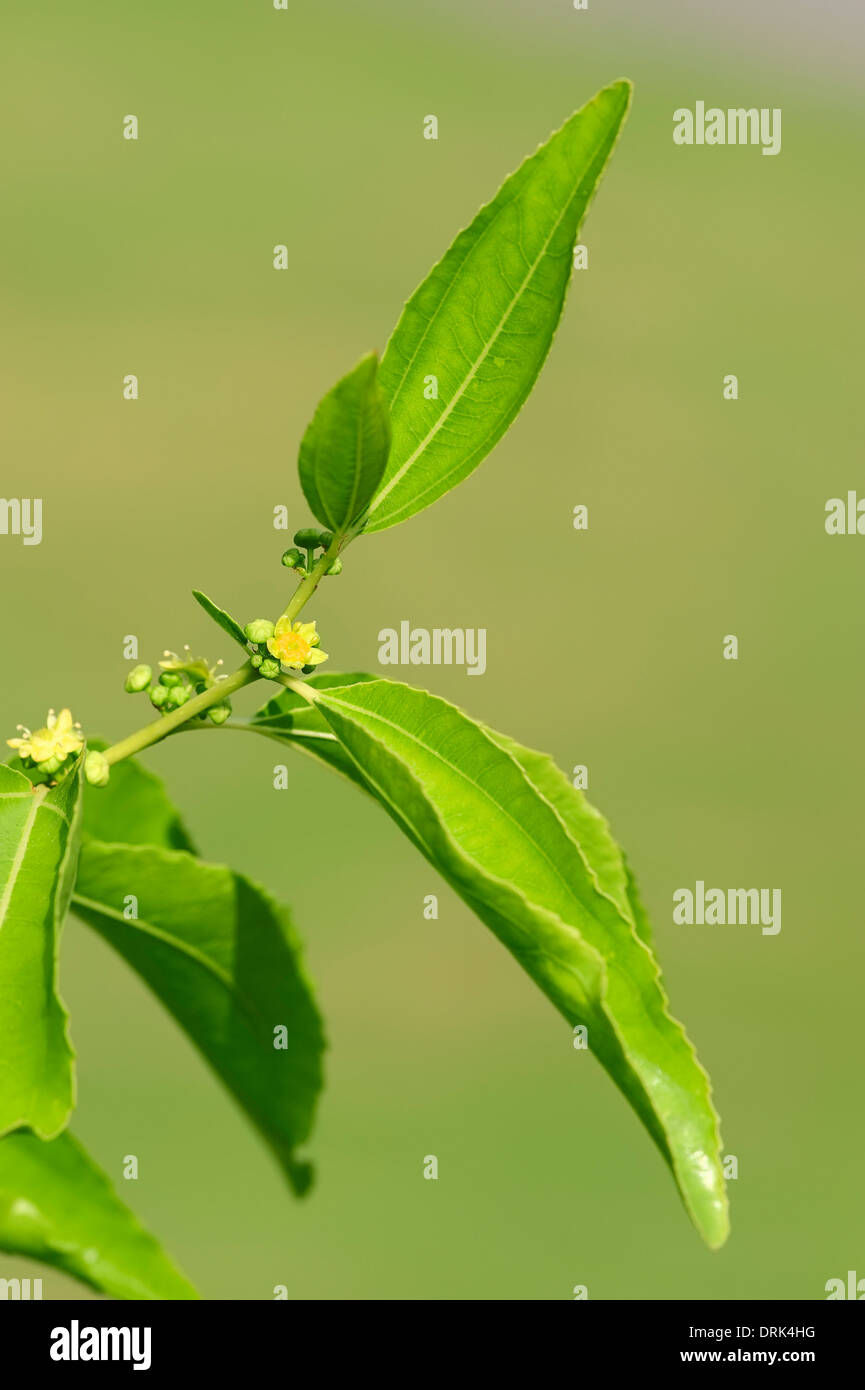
(483, 320)
(58, 1207)
(133, 808)
(224, 960)
(288, 718)
(521, 848)
(39, 839)
(224, 620)
(345, 448)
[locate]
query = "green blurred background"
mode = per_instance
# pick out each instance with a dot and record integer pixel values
(260, 127)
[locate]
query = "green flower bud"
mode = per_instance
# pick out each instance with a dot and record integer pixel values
(292, 558)
(258, 630)
(256, 660)
(178, 695)
(269, 668)
(218, 714)
(335, 568)
(138, 679)
(325, 538)
(159, 696)
(308, 538)
(170, 678)
(97, 769)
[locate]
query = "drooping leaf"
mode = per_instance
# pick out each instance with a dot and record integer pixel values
(223, 619)
(39, 839)
(290, 719)
(482, 322)
(58, 1207)
(345, 448)
(132, 809)
(494, 821)
(223, 958)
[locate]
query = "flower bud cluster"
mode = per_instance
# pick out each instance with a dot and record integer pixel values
(309, 540)
(180, 678)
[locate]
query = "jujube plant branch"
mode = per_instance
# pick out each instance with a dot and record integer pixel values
(84, 827)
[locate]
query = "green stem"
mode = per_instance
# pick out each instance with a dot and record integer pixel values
(299, 687)
(168, 723)
(308, 586)
(244, 675)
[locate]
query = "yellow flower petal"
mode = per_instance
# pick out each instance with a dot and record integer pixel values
(41, 746)
(68, 743)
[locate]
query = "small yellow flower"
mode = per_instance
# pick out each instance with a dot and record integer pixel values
(296, 644)
(58, 739)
